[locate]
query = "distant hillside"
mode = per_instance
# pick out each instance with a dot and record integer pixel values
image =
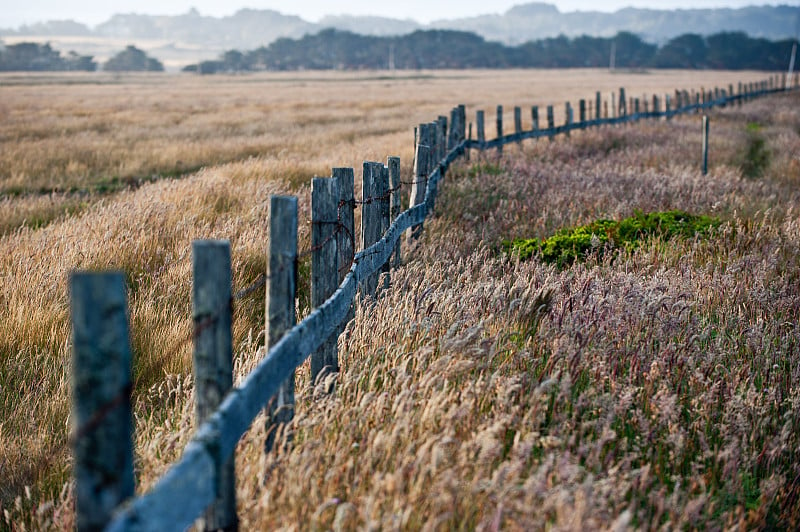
(539, 20)
(249, 28)
(189, 37)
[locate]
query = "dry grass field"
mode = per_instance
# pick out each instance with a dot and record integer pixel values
(652, 388)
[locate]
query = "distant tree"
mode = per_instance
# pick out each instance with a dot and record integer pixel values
(685, 51)
(28, 56)
(133, 60)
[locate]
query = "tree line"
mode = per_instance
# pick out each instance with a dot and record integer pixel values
(28, 56)
(436, 49)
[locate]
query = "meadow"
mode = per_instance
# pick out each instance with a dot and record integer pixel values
(646, 388)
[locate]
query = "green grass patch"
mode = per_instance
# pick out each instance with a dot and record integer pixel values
(571, 244)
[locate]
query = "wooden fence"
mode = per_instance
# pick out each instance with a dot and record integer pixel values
(202, 482)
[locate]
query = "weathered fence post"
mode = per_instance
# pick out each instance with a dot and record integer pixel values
(213, 361)
(469, 138)
(705, 144)
(636, 107)
(395, 208)
(371, 191)
(551, 122)
(422, 162)
(567, 118)
(385, 204)
(535, 118)
(622, 108)
(479, 119)
(441, 137)
(324, 264)
(455, 127)
(280, 309)
(518, 123)
(668, 106)
(346, 240)
(582, 111)
(102, 441)
(499, 128)
(461, 130)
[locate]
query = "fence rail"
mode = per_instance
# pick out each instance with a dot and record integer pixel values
(200, 482)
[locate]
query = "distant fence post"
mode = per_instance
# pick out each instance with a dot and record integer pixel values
(372, 189)
(551, 122)
(452, 138)
(622, 108)
(518, 123)
(499, 127)
(213, 361)
(324, 264)
(479, 120)
(280, 309)
(668, 106)
(567, 118)
(422, 161)
(461, 131)
(345, 239)
(705, 144)
(535, 118)
(395, 209)
(582, 111)
(441, 137)
(102, 441)
(469, 138)
(385, 203)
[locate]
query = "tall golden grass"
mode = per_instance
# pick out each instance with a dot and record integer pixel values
(655, 388)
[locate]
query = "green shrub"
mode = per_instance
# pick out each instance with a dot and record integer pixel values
(756, 157)
(571, 244)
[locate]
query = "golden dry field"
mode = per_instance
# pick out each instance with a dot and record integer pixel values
(655, 387)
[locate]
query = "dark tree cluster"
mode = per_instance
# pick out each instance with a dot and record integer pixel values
(133, 60)
(28, 56)
(431, 49)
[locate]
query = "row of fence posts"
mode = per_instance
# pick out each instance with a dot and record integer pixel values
(102, 384)
(101, 392)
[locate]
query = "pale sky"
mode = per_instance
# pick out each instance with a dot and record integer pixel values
(14, 13)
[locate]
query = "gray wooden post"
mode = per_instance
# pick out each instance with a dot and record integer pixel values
(551, 122)
(395, 208)
(636, 106)
(613, 107)
(705, 144)
(622, 108)
(469, 138)
(605, 109)
(452, 137)
(479, 119)
(668, 106)
(567, 117)
(422, 164)
(385, 204)
(582, 111)
(535, 118)
(102, 442)
(518, 122)
(213, 361)
(324, 264)
(441, 138)
(597, 104)
(371, 224)
(499, 127)
(461, 131)
(345, 239)
(280, 308)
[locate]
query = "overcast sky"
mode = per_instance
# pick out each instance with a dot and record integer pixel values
(14, 13)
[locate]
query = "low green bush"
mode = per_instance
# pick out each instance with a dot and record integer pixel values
(571, 244)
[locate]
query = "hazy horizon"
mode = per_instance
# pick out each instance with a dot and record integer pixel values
(94, 12)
